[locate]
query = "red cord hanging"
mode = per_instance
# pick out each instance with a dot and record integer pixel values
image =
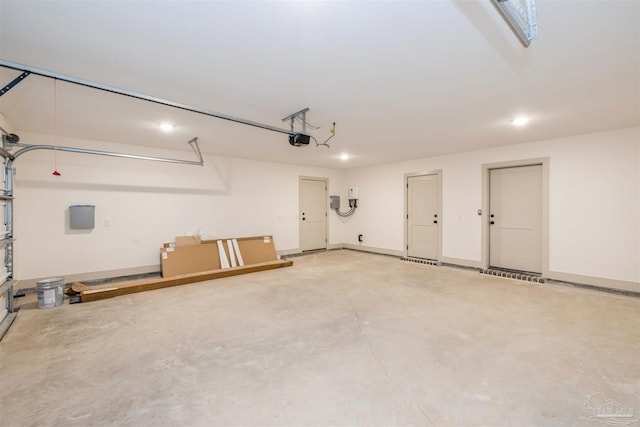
(55, 129)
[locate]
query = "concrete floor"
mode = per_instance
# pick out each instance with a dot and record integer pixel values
(340, 338)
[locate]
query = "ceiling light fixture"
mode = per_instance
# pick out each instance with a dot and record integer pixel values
(520, 121)
(167, 127)
(344, 157)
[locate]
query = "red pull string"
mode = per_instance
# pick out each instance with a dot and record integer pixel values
(55, 129)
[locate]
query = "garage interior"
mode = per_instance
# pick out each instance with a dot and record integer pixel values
(320, 213)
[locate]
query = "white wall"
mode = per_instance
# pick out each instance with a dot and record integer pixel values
(594, 213)
(594, 203)
(227, 197)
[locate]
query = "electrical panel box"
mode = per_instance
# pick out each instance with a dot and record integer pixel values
(334, 202)
(353, 193)
(82, 217)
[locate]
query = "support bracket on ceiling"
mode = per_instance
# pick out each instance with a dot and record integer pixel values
(14, 82)
(302, 116)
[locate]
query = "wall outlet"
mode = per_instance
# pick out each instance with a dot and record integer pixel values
(107, 223)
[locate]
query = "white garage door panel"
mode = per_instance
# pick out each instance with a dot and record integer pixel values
(3, 226)
(3, 268)
(3, 230)
(3, 309)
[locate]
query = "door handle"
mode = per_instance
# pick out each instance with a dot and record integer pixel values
(435, 222)
(492, 222)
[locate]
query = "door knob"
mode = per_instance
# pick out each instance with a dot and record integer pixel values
(491, 215)
(435, 222)
(492, 222)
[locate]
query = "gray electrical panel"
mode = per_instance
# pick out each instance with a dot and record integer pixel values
(334, 202)
(82, 217)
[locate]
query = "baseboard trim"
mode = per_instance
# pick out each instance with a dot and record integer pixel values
(96, 275)
(460, 262)
(575, 279)
(373, 249)
(596, 282)
(289, 252)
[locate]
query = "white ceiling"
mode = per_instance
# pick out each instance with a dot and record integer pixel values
(402, 80)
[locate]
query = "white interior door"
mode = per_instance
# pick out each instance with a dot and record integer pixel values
(313, 214)
(515, 215)
(422, 216)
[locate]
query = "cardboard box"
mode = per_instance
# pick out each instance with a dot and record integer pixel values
(187, 240)
(188, 259)
(255, 250)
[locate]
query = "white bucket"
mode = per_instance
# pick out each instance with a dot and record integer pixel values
(50, 292)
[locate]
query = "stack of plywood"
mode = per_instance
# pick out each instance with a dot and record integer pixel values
(189, 260)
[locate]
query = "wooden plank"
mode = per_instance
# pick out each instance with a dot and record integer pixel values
(113, 290)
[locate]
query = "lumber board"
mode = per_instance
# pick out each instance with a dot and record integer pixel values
(114, 290)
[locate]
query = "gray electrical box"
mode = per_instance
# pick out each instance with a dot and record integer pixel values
(82, 217)
(334, 202)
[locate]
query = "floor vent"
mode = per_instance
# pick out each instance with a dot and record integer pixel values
(421, 261)
(526, 277)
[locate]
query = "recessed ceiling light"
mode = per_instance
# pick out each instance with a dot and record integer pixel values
(520, 121)
(166, 127)
(344, 157)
